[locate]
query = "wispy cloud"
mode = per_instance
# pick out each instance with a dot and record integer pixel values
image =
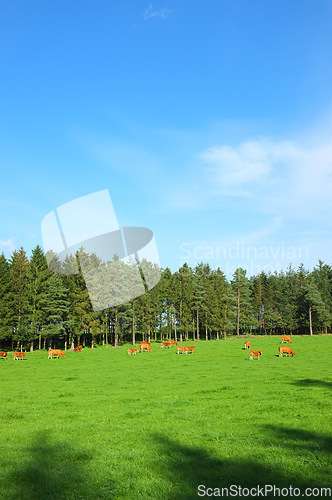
(151, 12)
(281, 176)
(270, 228)
(233, 167)
(7, 245)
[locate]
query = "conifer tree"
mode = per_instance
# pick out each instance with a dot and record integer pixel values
(19, 267)
(37, 275)
(55, 306)
(318, 312)
(240, 283)
(6, 300)
(287, 293)
(272, 307)
(322, 277)
(199, 296)
(223, 303)
(183, 281)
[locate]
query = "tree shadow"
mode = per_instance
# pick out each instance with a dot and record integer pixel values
(301, 439)
(52, 470)
(187, 467)
(309, 382)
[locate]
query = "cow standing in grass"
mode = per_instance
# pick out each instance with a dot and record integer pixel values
(166, 344)
(182, 348)
(190, 349)
(56, 352)
(255, 353)
(19, 355)
(132, 351)
(286, 350)
(145, 346)
(286, 339)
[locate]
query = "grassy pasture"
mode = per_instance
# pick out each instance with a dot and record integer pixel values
(102, 424)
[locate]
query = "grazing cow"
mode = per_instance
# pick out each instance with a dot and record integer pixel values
(78, 348)
(166, 344)
(19, 355)
(182, 348)
(286, 339)
(255, 353)
(191, 349)
(56, 352)
(247, 344)
(3, 354)
(286, 350)
(173, 342)
(132, 351)
(145, 346)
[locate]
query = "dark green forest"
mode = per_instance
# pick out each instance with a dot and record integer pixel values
(41, 309)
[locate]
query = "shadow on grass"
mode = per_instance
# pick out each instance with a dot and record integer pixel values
(187, 467)
(310, 382)
(301, 439)
(52, 470)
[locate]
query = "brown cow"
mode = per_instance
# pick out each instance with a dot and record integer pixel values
(145, 346)
(19, 355)
(78, 348)
(182, 348)
(286, 339)
(166, 344)
(56, 352)
(3, 354)
(247, 344)
(286, 350)
(255, 353)
(132, 351)
(191, 349)
(173, 342)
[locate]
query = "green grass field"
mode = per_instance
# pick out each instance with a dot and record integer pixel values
(102, 424)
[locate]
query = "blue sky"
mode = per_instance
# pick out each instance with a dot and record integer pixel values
(209, 122)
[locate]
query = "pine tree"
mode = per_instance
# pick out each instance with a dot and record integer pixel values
(199, 297)
(166, 286)
(272, 316)
(37, 275)
(19, 267)
(318, 312)
(245, 319)
(6, 300)
(322, 277)
(223, 307)
(287, 293)
(55, 306)
(183, 285)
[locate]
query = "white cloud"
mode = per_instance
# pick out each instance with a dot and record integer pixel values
(270, 228)
(7, 245)
(250, 162)
(282, 177)
(151, 12)
(238, 166)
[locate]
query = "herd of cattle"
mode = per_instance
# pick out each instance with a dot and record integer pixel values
(282, 349)
(51, 352)
(146, 346)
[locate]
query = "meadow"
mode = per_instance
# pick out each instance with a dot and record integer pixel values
(100, 424)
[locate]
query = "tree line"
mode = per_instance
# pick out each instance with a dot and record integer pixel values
(40, 308)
